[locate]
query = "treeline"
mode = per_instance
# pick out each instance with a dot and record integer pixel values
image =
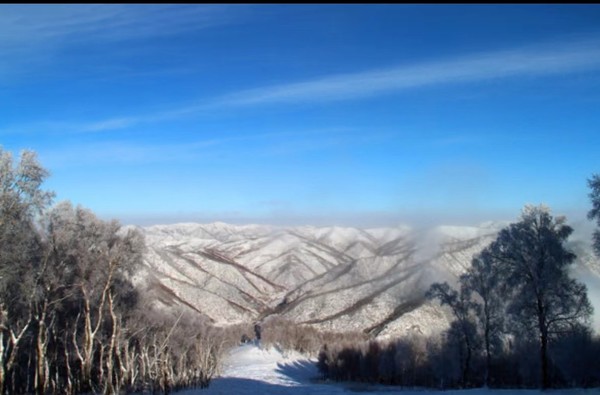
(70, 319)
(519, 321)
(438, 363)
(288, 335)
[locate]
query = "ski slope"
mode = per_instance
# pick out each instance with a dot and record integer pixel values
(249, 369)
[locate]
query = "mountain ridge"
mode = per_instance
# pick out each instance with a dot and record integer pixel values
(333, 278)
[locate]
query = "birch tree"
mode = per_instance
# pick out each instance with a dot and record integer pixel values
(21, 200)
(93, 258)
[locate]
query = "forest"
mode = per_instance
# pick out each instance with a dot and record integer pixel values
(70, 319)
(519, 320)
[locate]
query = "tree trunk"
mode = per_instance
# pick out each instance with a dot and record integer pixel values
(69, 378)
(40, 350)
(41, 343)
(109, 387)
(13, 349)
(91, 330)
(88, 343)
(488, 356)
(544, 360)
(543, 344)
(467, 364)
(2, 373)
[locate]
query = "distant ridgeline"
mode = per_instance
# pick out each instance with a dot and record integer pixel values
(331, 278)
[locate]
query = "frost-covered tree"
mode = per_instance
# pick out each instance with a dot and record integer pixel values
(545, 301)
(484, 280)
(22, 199)
(70, 317)
(92, 259)
(462, 330)
(594, 213)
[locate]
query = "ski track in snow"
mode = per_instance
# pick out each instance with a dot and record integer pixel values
(249, 369)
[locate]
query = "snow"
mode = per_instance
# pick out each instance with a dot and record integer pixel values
(249, 369)
(269, 365)
(335, 278)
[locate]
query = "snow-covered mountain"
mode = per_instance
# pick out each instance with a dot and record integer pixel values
(334, 278)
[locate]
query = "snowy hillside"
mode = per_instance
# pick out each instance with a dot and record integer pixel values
(333, 278)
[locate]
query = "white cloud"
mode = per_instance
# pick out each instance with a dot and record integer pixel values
(32, 36)
(530, 61)
(533, 61)
(126, 152)
(121, 152)
(109, 124)
(24, 23)
(525, 62)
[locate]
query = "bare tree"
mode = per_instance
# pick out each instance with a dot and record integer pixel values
(594, 213)
(93, 258)
(21, 200)
(544, 299)
(484, 279)
(463, 328)
(69, 313)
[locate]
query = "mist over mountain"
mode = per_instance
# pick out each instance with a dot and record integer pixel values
(332, 278)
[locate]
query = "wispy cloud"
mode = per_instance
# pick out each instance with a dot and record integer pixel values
(30, 34)
(23, 23)
(532, 61)
(125, 152)
(529, 61)
(115, 152)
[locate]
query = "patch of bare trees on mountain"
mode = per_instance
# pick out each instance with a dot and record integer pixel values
(70, 319)
(288, 335)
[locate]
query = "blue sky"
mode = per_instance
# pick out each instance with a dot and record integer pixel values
(366, 115)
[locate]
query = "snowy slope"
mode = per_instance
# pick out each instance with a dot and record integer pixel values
(334, 278)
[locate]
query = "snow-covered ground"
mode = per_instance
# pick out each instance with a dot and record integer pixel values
(252, 370)
(331, 278)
